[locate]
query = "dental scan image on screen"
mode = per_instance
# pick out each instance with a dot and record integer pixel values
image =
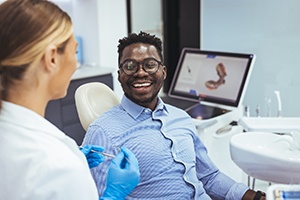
(216, 80)
(216, 76)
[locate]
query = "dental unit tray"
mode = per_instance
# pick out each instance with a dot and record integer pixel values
(270, 124)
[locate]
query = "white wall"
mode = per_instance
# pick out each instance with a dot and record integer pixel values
(101, 24)
(150, 21)
(271, 30)
(112, 26)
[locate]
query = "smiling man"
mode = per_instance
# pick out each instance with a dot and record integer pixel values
(173, 161)
(141, 74)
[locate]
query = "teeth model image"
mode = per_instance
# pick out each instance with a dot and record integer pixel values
(213, 85)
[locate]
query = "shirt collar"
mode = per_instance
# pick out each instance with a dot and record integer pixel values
(136, 110)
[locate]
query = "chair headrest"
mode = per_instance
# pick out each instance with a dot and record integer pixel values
(92, 99)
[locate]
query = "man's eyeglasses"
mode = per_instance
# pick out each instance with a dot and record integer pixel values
(149, 65)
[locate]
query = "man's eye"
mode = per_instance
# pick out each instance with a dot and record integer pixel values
(130, 66)
(150, 64)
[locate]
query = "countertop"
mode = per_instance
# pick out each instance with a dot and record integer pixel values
(86, 71)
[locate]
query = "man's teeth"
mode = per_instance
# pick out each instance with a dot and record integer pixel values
(141, 84)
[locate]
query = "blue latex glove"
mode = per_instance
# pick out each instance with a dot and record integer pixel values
(123, 175)
(93, 158)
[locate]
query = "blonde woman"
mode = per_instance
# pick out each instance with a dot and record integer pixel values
(37, 160)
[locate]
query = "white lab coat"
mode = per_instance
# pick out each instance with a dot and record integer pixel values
(38, 161)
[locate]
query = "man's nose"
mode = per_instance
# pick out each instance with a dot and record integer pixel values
(141, 71)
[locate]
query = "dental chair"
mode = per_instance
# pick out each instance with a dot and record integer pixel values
(92, 99)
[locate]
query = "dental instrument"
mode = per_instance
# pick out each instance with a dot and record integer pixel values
(227, 127)
(107, 154)
(247, 111)
(102, 153)
(119, 149)
(277, 93)
(268, 102)
(257, 111)
(224, 129)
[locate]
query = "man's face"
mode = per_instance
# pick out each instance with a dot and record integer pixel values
(142, 87)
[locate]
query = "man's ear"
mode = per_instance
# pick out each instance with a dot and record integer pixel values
(165, 72)
(119, 75)
(51, 58)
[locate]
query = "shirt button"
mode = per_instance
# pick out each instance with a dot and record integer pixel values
(185, 177)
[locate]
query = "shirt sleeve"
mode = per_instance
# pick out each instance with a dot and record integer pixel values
(96, 136)
(217, 184)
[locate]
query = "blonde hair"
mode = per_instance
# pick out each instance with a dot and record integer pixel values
(27, 28)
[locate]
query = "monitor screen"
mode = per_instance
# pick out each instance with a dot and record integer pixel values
(211, 76)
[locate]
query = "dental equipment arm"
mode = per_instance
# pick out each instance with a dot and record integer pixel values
(93, 155)
(123, 176)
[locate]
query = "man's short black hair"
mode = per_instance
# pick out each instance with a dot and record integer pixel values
(142, 37)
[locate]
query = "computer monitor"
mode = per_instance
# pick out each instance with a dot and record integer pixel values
(212, 78)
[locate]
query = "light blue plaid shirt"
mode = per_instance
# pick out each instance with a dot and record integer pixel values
(173, 161)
